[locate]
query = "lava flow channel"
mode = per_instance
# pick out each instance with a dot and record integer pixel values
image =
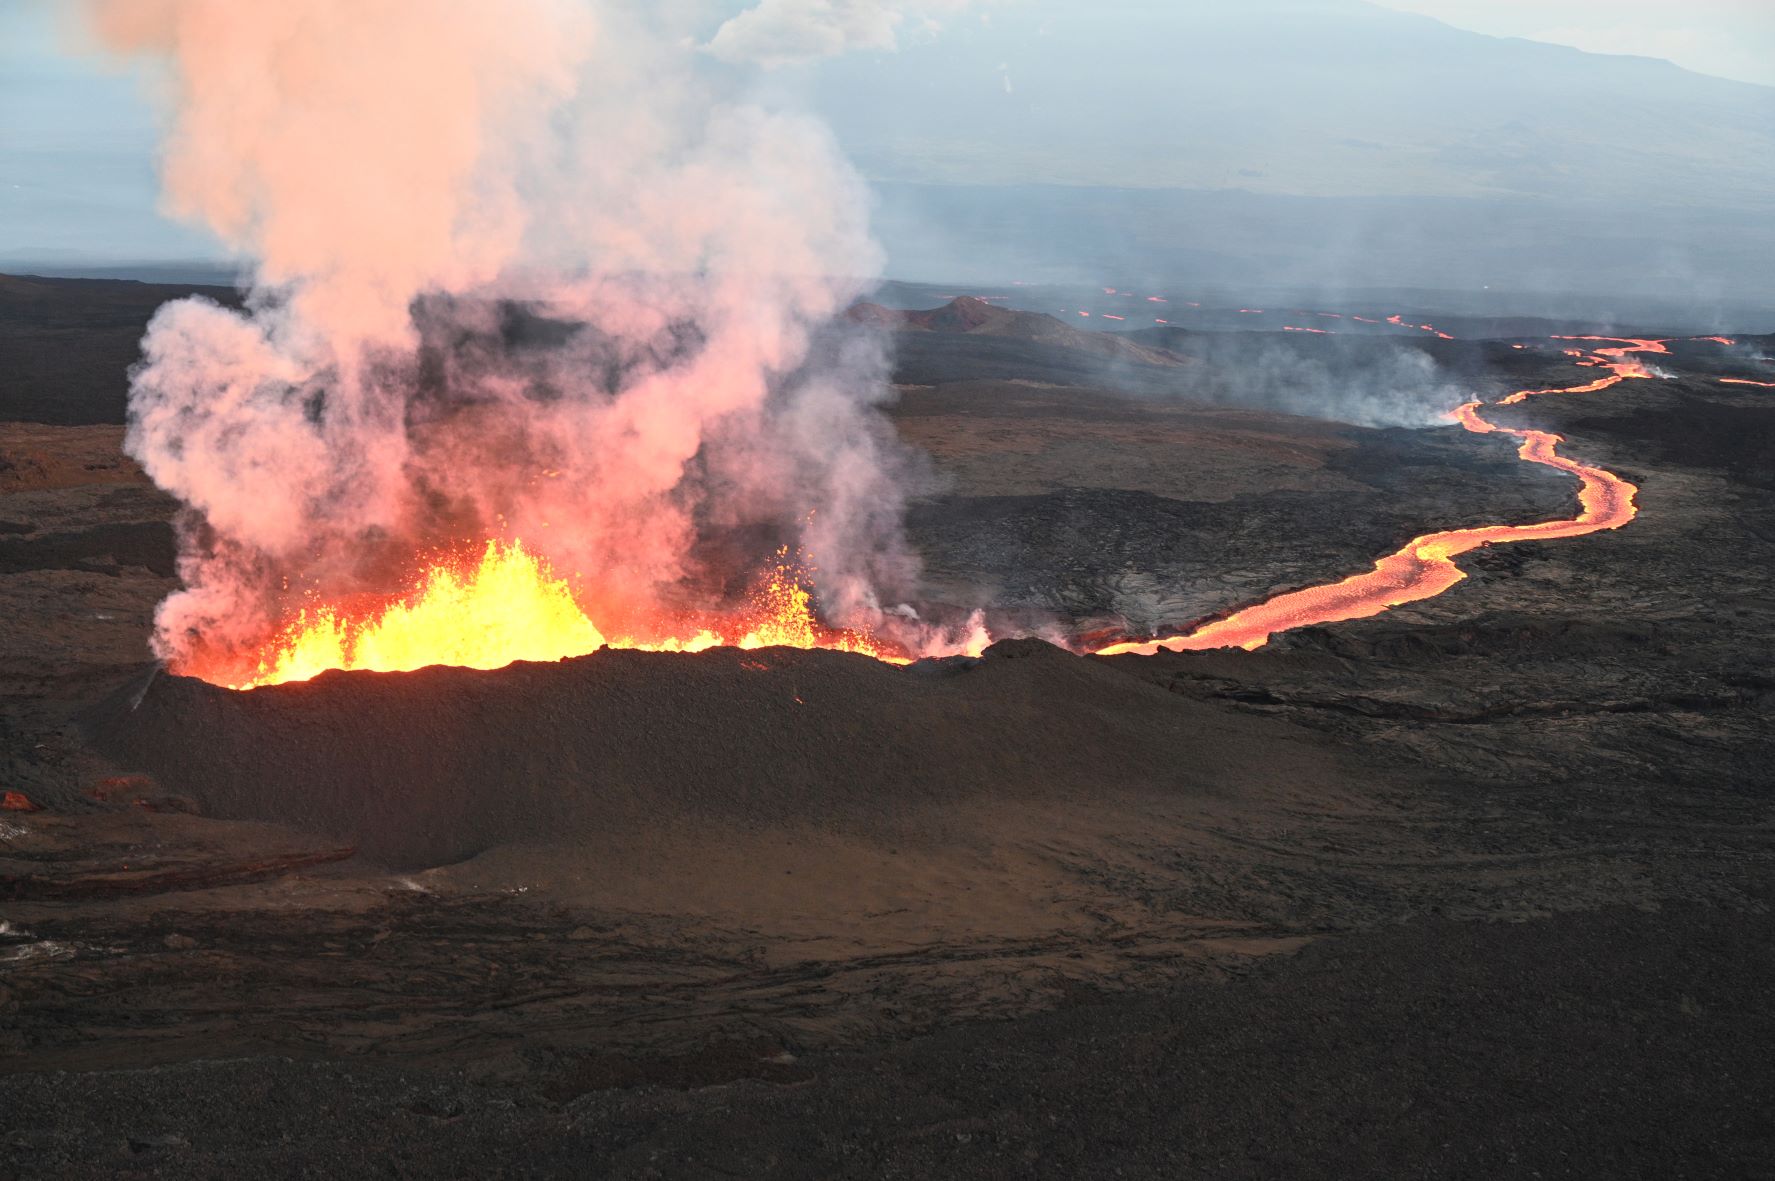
(1425, 566)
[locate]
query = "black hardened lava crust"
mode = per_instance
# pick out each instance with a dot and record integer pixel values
(433, 766)
(1619, 1043)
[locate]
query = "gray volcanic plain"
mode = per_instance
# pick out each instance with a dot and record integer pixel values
(1477, 886)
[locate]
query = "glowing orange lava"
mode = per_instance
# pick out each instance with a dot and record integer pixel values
(1767, 385)
(1425, 567)
(1618, 361)
(508, 606)
(488, 608)
(1401, 322)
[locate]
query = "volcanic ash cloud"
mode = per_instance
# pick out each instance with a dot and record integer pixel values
(527, 269)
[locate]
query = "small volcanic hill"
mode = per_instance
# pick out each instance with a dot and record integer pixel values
(977, 317)
(970, 338)
(430, 767)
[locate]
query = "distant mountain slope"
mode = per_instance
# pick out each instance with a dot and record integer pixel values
(1308, 97)
(1316, 145)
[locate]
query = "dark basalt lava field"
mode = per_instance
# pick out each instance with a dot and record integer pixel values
(1476, 887)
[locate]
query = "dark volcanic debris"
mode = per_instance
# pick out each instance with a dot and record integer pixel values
(664, 915)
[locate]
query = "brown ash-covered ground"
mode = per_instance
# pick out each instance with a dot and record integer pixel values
(1477, 886)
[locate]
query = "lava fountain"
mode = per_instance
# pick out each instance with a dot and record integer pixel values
(544, 337)
(509, 605)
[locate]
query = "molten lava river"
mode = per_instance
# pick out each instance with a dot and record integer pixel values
(493, 605)
(1425, 566)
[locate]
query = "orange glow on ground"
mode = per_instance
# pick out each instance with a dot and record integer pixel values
(1425, 567)
(1767, 385)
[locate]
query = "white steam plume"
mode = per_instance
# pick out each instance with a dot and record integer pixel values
(522, 270)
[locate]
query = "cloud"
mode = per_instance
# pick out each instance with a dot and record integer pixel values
(786, 32)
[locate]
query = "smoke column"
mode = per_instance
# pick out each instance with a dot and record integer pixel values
(525, 268)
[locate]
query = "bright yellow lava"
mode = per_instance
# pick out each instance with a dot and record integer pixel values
(511, 606)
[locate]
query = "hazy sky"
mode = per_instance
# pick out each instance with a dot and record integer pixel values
(1730, 38)
(78, 141)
